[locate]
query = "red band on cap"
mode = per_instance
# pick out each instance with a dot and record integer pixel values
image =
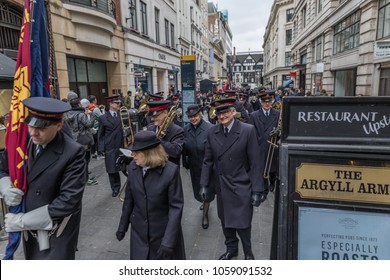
(44, 115)
(158, 108)
(226, 104)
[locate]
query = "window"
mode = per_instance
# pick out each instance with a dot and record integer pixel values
(172, 35)
(317, 49)
(383, 29)
(157, 24)
(289, 14)
(304, 17)
(347, 34)
(287, 59)
(319, 6)
(288, 37)
(144, 20)
(133, 14)
(166, 32)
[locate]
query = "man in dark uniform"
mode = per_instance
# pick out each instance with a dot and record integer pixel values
(243, 98)
(143, 114)
(172, 136)
(110, 140)
(56, 177)
(230, 149)
(265, 121)
(179, 110)
(242, 113)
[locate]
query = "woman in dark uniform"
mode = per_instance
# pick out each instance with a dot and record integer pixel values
(153, 203)
(195, 136)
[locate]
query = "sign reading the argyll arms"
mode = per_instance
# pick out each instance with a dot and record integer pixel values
(344, 183)
(338, 119)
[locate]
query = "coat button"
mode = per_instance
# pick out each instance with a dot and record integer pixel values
(144, 196)
(38, 192)
(146, 221)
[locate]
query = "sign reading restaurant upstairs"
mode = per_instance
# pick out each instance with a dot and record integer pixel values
(355, 120)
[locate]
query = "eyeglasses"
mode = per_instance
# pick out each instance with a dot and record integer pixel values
(224, 113)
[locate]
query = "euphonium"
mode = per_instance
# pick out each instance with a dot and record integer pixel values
(272, 146)
(128, 135)
(166, 123)
(277, 105)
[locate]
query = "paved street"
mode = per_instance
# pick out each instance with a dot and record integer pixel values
(101, 214)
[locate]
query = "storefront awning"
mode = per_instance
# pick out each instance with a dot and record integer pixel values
(7, 67)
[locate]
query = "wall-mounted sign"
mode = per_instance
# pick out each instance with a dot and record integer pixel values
(162, 56)
(331, 234)
(343, 183)
(382, 49)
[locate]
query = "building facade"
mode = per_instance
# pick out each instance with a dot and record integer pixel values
(247, 69)
(339, 46)
(277, 44)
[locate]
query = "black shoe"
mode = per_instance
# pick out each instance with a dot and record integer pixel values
(115, 193)
(249, 256)
(201, 207)
(272, 187)
(228, 255)
(205, 222)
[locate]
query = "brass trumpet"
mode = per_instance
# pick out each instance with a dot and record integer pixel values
(167, 121)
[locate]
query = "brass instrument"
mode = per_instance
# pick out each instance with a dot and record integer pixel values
(272, 146)
(143, 107)
(167, 122)
(179, 114)
(277, 105)
(128, 134)
(212, 110)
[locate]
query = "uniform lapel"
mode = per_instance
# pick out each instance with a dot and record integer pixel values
(233, 136)
(50, 155)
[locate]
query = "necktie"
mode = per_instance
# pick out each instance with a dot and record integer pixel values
(114, 114)
(267, 114)
(226, 131)
(38, 150)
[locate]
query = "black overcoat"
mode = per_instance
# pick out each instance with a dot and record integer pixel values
(110, 140)
(193, 153)
(239, 171)
(153, 206)
(172, 142)
(264, 126)
(56, 177)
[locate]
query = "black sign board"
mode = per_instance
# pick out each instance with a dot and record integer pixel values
(343, 120)
(333, 202)
(188, 82)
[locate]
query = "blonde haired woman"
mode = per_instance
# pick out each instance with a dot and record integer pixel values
(153, 202)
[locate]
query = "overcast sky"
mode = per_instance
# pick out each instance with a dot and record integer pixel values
(247, 20)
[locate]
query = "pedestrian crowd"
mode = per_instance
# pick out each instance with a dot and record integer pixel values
(222, 139)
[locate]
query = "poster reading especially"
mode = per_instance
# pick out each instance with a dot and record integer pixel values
(331, 234)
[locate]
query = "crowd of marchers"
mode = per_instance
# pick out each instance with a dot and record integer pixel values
(225, 144)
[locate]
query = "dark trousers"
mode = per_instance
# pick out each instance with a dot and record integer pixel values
(231, 240)
(115, 181)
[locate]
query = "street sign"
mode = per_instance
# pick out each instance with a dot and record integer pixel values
(188, 81)
(334, 196)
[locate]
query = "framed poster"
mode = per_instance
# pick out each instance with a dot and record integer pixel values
(340, 234)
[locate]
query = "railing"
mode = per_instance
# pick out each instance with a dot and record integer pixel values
(10, 22)
(105, 6)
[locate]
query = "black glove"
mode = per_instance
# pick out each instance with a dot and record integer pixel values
(120, 235)
(257, 198)
(275, 132)
(185, 163)
(122, 160)
(164, 253)
(204, 193)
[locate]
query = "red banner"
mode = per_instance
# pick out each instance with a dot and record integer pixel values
(16, 138)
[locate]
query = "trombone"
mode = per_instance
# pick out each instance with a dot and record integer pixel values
(128, 134)
(271, 150)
